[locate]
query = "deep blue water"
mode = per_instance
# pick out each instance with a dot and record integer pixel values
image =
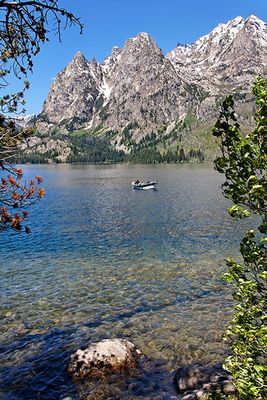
(104, 261)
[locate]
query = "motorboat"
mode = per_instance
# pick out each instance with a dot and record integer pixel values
(144, 185)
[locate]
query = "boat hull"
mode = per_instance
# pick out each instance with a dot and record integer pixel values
(144, 186)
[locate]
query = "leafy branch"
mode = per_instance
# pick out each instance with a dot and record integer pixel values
(244, 163)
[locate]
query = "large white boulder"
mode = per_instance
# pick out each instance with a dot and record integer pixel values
(105, 357)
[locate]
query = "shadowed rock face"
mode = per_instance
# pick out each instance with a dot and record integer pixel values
(103, 358)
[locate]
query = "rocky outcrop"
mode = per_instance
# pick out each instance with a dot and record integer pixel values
(145, 89)
(72, 99)
(104, 358)
(194, 382)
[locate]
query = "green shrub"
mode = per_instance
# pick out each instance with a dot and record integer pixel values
(244, 163)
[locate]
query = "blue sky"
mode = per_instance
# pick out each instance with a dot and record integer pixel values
(111, 22)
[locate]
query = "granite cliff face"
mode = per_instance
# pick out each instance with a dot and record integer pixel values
(145, 89)
(137, 91)
(136, 85)
(72, 97)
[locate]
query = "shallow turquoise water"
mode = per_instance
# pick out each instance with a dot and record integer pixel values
(106, 261)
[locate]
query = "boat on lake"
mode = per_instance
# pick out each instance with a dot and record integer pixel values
(144, 185)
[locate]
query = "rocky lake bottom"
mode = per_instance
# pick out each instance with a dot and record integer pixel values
(105, 261)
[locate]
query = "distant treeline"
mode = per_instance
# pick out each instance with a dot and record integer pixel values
(98, 149)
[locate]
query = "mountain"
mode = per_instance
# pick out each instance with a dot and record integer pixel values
(226, 57)
(136, 85)
(140, 102)
(226, 60)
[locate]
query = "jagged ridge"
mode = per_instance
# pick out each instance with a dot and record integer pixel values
(139, 91)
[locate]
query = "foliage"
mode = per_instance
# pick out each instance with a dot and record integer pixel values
(23, 28)
(10, 138)
(244, 163)
(93, 149)
(16, 195)
(96, 146)
(147, 150)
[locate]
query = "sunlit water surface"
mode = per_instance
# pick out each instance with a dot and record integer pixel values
(105, 261)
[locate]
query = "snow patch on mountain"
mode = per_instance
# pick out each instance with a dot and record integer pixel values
(137, 86)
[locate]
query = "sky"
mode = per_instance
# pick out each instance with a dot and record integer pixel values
(109, 23)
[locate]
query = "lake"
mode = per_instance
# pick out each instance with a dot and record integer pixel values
(105, 261)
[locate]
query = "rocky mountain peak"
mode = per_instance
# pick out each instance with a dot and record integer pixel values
(93, 62)
(79, 56)
(222, 32)
(143, 42)
(253, 19)
(229, 56)
(256, 28)
(138, 91)
(115, 51)
(143, 38)
(237, 23)
(78, 61)
(237, 20)
(111, 61)
(72, 96)
(134, 79)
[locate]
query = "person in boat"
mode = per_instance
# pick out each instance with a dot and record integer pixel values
(137, 182)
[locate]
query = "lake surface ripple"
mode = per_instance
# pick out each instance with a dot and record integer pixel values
(104, 261)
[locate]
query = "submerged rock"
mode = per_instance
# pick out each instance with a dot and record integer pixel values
(105, 357)
(196, 381)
